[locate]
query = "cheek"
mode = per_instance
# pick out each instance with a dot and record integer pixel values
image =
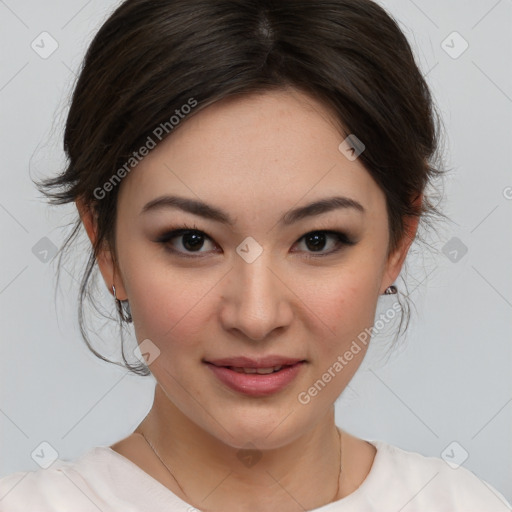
(347, 306)
(346, 302)
(168, 305)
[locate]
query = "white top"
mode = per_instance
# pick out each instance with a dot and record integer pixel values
(103, 480)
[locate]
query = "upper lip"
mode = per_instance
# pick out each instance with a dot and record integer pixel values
(247, 362)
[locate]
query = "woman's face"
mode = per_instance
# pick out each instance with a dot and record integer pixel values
(254, 287)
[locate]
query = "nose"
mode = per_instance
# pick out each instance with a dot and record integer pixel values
(256, 300)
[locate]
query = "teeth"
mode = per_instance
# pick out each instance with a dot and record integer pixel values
(261, 371)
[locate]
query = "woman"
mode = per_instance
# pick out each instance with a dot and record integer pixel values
(239, 168)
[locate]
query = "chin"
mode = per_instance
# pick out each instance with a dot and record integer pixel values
(266, 429)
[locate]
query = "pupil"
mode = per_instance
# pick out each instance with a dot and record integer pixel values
(318, 241)
(195, 243)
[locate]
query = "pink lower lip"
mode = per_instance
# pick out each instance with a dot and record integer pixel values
(253, 384)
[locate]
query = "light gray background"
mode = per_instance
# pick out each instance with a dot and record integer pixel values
(450, 379)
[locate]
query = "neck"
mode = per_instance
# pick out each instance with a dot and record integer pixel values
(214, 476)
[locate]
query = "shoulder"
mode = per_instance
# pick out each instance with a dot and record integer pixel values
(55, 489)
(25, 490)
(431, 482)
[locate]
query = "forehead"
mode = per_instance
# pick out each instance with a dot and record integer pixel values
(259, 152)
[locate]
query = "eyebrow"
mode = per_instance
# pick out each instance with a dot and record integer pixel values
(210, 212)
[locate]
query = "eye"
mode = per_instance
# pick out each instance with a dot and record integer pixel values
(188, 240)
(185, 240)
(316, 241)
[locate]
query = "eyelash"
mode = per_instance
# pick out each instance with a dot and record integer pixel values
(342, 239)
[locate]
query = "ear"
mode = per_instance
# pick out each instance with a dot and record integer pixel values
(397, 257)
(104, 257)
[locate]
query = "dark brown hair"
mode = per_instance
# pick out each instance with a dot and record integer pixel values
(152, 56)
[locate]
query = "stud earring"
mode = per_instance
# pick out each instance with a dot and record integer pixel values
(391, 290)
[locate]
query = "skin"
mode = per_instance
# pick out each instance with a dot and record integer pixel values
(256, 157)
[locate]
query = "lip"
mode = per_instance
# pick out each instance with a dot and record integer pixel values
(248, 362)
(256, 385)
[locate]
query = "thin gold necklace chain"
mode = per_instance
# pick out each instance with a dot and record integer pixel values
(181, 488)
(166, 466)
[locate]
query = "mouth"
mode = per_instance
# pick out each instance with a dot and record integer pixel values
(260, 371)
(251, 377)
